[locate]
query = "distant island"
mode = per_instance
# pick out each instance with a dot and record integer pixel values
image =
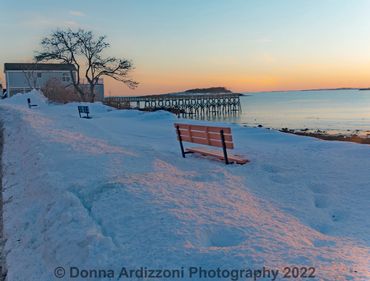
(211, 90)
(204, 91)
(224, 90)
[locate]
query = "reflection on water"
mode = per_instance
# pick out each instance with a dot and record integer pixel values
(337, 111)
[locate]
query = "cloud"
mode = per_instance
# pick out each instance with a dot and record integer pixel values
(76, 13)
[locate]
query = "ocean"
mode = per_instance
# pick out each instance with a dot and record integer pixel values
(333, 111)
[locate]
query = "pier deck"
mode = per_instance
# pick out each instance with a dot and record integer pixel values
(181, 104)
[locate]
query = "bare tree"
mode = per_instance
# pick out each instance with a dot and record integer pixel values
(85, 51)
(31, 75)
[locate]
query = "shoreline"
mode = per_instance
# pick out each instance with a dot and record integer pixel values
(323, 135)
(352, 136)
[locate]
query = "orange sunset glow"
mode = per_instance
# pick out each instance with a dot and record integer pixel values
(243, 46)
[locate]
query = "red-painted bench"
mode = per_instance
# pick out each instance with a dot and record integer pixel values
(207, 135)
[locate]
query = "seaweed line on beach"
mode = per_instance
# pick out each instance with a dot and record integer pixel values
(323, 135)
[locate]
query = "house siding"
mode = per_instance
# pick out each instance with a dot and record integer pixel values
(98, 90)
(17, 81)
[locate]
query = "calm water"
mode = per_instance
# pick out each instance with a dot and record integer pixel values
(340, 110)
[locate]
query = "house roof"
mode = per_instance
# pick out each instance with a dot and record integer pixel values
(39, 66)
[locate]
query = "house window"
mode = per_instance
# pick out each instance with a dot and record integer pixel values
(66, 77)
(39, 75)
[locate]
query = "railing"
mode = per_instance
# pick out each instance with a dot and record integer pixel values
(181, 104)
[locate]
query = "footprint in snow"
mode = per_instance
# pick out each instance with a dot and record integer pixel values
(321, 201)
(338, 215)
(270, 169)
(318, 188)
(280, 179)
(225, 237)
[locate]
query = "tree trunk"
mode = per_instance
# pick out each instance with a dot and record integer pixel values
(80, 93)
(76, 85)
(92, 93)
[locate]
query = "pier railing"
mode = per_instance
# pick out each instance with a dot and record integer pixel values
(190, 104)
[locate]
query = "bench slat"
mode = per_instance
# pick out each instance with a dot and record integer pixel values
(203, 128)
(211, 142)
(83, 109)
(218, 154)
(205, 135)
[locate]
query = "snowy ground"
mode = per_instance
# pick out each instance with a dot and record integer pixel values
(113, 192)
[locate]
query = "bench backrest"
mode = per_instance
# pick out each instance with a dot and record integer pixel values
(206, 135)
(83, 109)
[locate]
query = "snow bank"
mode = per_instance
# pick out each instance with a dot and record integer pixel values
(113, 192)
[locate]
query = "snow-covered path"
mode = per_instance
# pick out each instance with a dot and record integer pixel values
(113, 191)
(2, 240)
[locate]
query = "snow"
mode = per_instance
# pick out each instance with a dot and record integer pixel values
(113, 191)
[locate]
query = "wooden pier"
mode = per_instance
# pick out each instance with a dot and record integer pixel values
(189, 104)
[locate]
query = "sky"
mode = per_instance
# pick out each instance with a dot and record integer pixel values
(244, 45)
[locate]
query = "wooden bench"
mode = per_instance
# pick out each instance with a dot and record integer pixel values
(207, 135)
(83, 109)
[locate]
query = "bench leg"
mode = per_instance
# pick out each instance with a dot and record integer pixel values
(224, 147)
(180, 141)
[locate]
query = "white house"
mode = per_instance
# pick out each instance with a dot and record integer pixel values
(23, 77)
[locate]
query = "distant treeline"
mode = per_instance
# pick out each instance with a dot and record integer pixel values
(214, 90)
